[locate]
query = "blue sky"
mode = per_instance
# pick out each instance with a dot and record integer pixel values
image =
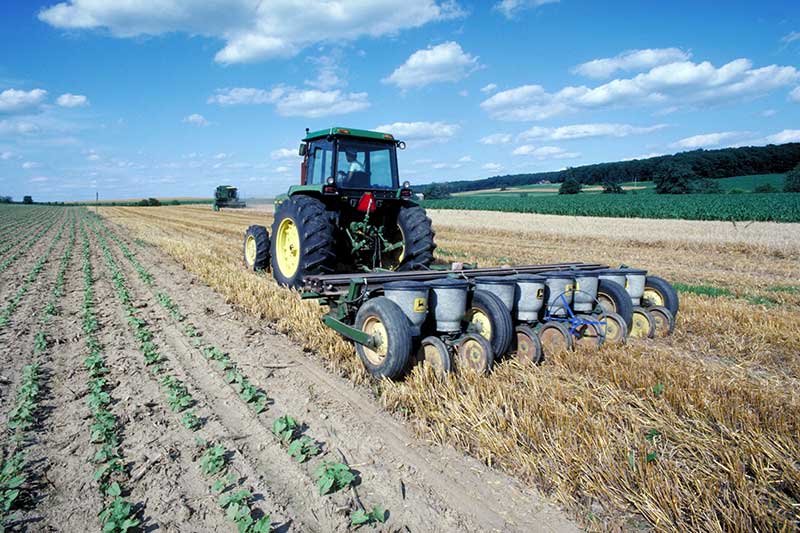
(170, 98)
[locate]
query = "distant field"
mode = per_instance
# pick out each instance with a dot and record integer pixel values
(641, 202)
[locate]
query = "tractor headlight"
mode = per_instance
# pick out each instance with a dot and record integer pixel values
(406, 184)
(330, 180)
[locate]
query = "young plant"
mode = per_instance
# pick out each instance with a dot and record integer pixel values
(119, 516)
(191, 421)
(333, 476)
(284, 428)
(302, 449)
(213, 460)
(361, 517)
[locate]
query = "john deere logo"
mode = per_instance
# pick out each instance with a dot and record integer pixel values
(540, 294)
(420, 305)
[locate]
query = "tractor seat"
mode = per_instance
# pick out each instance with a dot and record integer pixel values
(358, 180)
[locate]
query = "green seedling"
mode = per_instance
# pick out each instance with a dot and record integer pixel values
(11, 479)
(658, 389)
(284, 428)
(302, 449)
(118, 517)
(39, 343)
(333, 476)
(361, 517)
(191, 421)
(213, 460)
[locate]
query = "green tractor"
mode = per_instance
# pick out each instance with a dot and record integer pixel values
(227, 196)
(349, 213)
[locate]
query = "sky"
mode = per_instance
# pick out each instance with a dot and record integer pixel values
(169, 98)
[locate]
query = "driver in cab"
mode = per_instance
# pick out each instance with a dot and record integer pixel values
(354, 167)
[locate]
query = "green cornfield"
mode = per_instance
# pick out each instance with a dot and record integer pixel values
(774, 207)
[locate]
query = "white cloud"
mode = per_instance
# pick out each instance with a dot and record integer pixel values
(581, 131)
(39, 179)
(16, 127)
(492, 87)
(496, 138)
(5, 156)
(465, 159)
(30, 164)
(768, 113)
(441, 63)
(13, 100)
(221, 155)
(785, 136)
(93, 157)
(509, 8)
(72, 100)
(493, 167)
(330, 73)
(450, 166)
(675, 83)
(795, 94)
(711, 139)
(544, 152)
(421, 132)
(282, 169)
(196, 119)
(632, 60)
(292, 102)
(283, 153)
(791, 37)
(252, 29)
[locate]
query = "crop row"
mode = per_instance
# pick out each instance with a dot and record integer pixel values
(776, 207)
(237, 504)
(26, 412)
(117, 514)
(16, 222)
(25, 243)
(13, 303)
(331, 475)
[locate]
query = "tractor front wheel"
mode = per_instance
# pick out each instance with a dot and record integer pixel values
(303, 241)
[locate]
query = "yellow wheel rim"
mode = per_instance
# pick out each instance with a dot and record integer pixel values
(473, 355)
(375, 329)
(640, 326)
(481, 322)
(606, 303)
(250, 250)
(433, 357)
(653, 297)
(613, 331)
(287, 247)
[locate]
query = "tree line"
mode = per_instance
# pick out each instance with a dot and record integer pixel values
(667, 169)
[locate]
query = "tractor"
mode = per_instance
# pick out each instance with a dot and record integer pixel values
(227, 196)
(350, 213)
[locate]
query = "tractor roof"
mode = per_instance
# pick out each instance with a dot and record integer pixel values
(349, 132)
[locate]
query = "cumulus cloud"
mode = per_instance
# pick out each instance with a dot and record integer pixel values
(283, 153)
(545, 152)
(581, 131)
(681, 82)
(791, 37)
(492, 167)
(196, 119)
(251, 29)
(711, 139)
(293, 102)
(30, 164)
(630, 61)
(795, 94)
(72, 100)
(5, 156)
(14, 101)
(421, 132)
(441, 63)
(496, 138)
(509, 8)
(490, 88)
(785, 136)
(17, 127)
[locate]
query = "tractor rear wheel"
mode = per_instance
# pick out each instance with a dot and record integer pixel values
(385, 322)
(417, 233)
(303, 241)
(256, 248)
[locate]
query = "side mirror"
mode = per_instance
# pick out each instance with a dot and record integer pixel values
(401, 145)
(303, 149)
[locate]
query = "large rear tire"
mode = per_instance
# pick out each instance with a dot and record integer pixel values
(417, 232)
(303, 241)
(383, 319)
(615, 299)
(256, 248)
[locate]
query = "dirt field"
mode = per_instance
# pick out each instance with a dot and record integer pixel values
(694, 432)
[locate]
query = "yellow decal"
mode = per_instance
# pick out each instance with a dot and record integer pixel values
(540, 294)
(420, 305)
(577, 286)
(568, 288)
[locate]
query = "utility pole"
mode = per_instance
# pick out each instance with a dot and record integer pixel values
(96, 201)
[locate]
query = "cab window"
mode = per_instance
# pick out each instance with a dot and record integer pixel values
(320, 162)
(365, 165)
